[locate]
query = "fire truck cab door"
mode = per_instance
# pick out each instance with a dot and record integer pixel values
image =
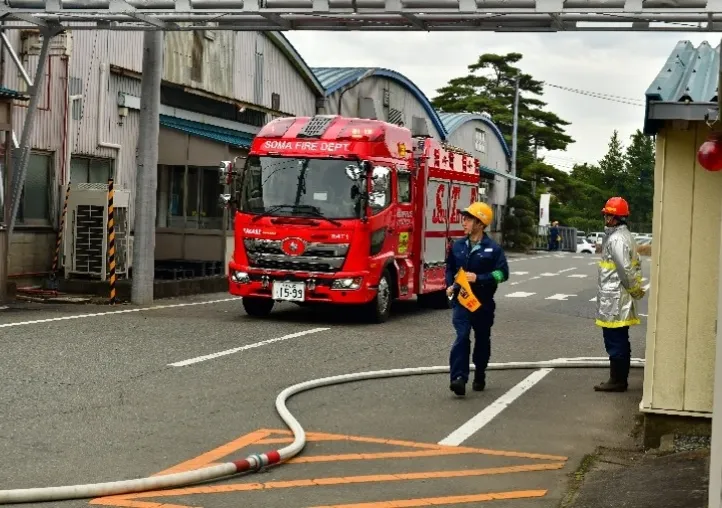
(403, 230)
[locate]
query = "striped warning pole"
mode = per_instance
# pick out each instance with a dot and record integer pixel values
(59, 241)
(111, 242)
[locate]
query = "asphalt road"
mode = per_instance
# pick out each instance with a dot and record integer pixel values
(91, 394)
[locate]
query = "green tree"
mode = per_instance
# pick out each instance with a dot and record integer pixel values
(614, 167)
(489, 87)
(640, 173)
(519, 228)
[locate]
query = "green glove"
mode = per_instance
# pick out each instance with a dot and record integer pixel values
(498, 275)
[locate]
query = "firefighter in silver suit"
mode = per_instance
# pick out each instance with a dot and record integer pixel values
(618, 289)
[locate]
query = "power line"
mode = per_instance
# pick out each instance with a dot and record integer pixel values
(598, 95)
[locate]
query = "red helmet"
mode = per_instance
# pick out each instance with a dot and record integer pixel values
(616, 206)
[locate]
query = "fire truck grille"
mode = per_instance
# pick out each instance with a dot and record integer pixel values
(318, 257)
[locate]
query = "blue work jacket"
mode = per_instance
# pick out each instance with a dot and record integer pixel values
(483, 259)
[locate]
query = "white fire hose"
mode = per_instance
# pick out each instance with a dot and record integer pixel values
(254, 463)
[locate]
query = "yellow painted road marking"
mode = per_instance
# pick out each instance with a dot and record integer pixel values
(270, 436)
(344, 480)
(445, 500)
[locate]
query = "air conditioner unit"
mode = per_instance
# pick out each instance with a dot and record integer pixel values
(484, 189)
(85, 239)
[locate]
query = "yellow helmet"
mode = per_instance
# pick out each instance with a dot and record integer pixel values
(480, 211)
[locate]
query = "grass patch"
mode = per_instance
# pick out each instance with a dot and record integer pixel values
(577, 478)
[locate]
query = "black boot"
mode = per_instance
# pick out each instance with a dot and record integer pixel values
(458, 386)
(618, 374)
(479, 381)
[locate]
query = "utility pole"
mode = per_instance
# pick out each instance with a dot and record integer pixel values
(514, 142)
(146, 179)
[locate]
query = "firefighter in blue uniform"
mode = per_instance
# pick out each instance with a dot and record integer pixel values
(486, 267)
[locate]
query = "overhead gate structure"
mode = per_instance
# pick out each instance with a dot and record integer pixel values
(54, 16)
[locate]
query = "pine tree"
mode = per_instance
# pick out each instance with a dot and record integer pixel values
(640, 172)
(613, 168)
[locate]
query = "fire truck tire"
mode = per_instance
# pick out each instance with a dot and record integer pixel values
(257, 307)
(379, 309)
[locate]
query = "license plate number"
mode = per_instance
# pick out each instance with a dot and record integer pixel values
(290, 291)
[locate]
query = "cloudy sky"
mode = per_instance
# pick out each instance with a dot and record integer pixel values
(622, 64)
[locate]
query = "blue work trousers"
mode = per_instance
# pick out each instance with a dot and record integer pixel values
(616, 342)
(464, 322)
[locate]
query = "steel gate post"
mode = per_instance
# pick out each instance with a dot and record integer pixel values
(22, 153)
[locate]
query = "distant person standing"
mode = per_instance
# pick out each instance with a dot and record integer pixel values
(619, 286)
(554, 236)
(482, 264)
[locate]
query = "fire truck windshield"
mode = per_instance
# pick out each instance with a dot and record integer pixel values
(290, 186)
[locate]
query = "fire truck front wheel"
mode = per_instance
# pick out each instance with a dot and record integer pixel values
(379, 308)
(257, 307)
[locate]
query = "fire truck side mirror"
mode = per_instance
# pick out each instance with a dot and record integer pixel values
(224, 200)
(239, 163)
(225, 170)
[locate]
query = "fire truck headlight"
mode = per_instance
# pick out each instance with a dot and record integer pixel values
(354, 283)
(240, 277)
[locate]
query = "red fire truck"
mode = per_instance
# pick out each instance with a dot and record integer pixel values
(347, 211)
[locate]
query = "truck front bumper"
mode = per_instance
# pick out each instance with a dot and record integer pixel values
(339, 287)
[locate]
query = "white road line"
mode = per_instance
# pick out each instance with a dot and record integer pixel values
(246, 347)
(558, 296)
(491, 411)
(644, 315)
(592, 263)
(519, 273)
(110, 313)
(519, 294)
(593, 299)
(578, 275)
(578, 257)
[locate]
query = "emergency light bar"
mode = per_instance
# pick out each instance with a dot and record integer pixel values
(276, 128)
(362, 131)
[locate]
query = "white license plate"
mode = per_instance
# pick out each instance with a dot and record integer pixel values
(291, 291)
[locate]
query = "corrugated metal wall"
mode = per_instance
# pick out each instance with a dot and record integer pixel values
(493, 157)
(47, 133)
(231, 63)
(400, 100)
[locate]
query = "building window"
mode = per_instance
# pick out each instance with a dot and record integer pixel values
(90, 170)
(188, 197)
(276, 102)
(403, 187)
(480, 141)
(36, 198)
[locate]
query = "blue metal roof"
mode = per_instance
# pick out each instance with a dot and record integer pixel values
(453, 121)
(689, 75)
(204, 130)
(13, 94)
(335, 78)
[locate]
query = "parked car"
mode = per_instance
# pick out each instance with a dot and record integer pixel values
(596, 237)
(584, 247)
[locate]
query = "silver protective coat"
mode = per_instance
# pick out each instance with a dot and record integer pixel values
(619, 272)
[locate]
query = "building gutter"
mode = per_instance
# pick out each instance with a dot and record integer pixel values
(133, 102)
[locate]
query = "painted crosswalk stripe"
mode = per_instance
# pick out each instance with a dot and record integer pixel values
(519, 294)
(578, 275)
(519, 273)
(558, 296)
